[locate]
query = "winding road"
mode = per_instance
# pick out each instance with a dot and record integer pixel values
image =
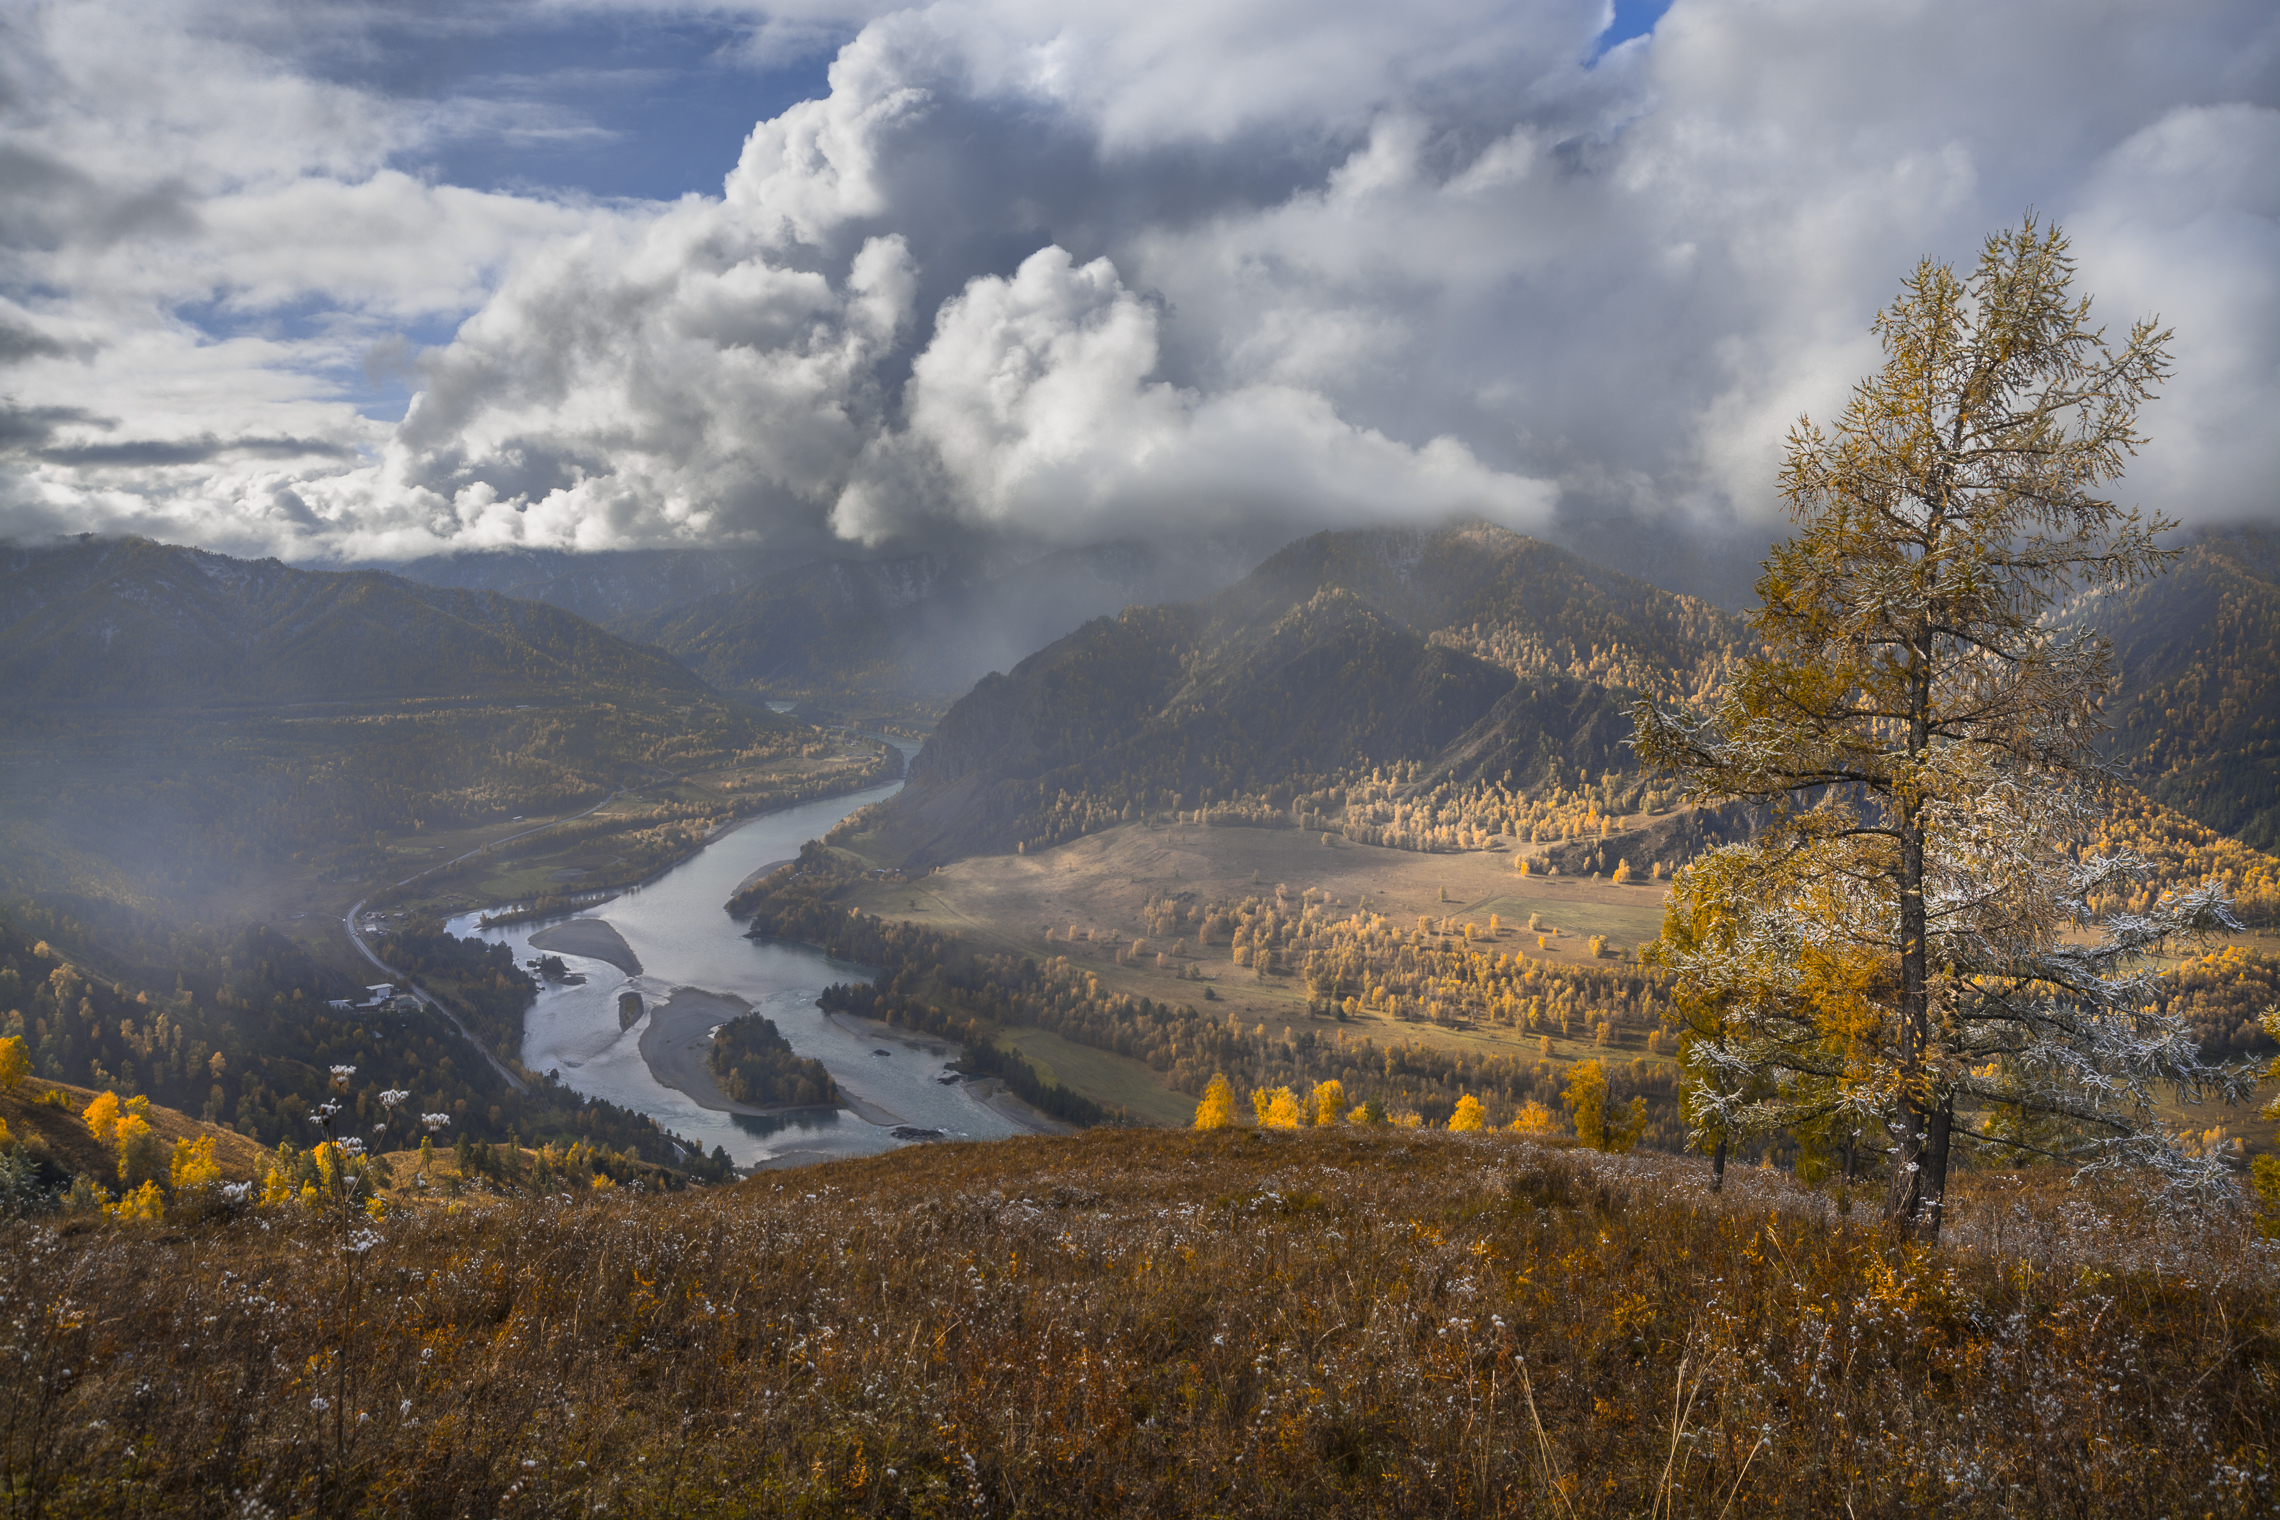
(356, 937)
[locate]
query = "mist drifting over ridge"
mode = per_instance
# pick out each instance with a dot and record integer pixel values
(1014, 274)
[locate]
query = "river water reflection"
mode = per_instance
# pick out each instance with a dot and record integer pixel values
(683, 938)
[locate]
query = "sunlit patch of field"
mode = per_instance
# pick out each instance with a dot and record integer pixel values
(1101, 1075)
(774, 771)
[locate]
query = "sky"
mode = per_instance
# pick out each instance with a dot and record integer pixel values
(369, 281)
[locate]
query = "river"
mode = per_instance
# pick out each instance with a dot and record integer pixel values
(678, 930)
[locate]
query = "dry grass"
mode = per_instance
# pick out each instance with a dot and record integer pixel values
(1149, 1323)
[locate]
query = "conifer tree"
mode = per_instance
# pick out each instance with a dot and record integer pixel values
(1920, 736)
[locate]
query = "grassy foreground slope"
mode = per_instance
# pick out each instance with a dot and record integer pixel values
(1150, 1323)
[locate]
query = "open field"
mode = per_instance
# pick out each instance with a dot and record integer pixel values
(1100, 886)
(1101, 882)
(1331, 1323)
(1101, 1075)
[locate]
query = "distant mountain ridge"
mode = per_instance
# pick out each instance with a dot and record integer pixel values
(157, 624)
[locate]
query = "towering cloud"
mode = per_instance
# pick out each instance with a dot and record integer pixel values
(1061, 273)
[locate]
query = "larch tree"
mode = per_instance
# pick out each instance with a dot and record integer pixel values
(1892, 946)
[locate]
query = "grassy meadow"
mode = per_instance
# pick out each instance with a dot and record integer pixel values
(1007, 903)
(1157, 1323)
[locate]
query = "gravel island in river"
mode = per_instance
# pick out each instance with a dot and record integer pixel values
(677, 1037)
(595, 938)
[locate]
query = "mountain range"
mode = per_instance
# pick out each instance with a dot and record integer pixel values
(914, 632)
(158, 625)
(1468, 655)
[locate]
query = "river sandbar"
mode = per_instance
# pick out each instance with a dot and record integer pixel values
(595, 938)
(679, 1037)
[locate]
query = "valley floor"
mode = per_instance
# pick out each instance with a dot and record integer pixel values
(1096, 887)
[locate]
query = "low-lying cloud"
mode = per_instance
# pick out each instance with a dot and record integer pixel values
(1061, 275)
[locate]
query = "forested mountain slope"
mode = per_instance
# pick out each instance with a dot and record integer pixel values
(1471, 655)
(184, 725)
(133, 620)
(2197, 716)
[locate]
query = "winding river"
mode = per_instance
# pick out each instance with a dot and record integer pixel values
(679, 932)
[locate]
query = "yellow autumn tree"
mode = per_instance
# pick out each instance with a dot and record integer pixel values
(1468, 1115)
(1586, 1100)
(1282, 1110)
(102, 1117)
(1534, 1120)
(15, 1061)
(141, 1155)
(1217, 1110)
(1329, 1101)
(194, 1166)
(145, 1203)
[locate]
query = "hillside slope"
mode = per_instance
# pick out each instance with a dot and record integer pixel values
(190, 732)
(108, 621)
(1471, 653)
(1340, 1323)
(2197, 717)
(59, 1142)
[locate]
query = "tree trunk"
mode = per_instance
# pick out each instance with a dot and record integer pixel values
(1718, 1167)
(1934, 1175)
(1904, 1206)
